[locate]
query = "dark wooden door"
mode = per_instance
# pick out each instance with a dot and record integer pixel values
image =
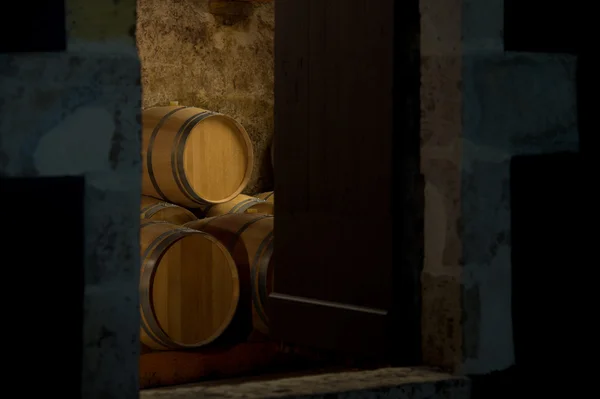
(343, 118)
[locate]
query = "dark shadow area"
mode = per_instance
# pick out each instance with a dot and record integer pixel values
(539, 26)
(551, 207)
(33, 27)
(43, 275)
(552, 294)
(497, 385)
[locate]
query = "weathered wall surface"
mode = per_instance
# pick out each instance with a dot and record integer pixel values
(76, 113)
(481, 106)
(441, 151)
(514, 104)
(190, 56)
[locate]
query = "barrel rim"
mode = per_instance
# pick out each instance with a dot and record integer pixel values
(148, 159)
(207, 220)
(149, 211)
(262, 203)
(149, 296)
(169, 111)
(242, 207)
(261, 264)
(260, 268)
(267, 195)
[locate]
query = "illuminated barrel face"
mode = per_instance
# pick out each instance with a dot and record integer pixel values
(193, 157)
(189, 287)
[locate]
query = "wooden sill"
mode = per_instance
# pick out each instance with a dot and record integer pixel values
(159, 369)
(260, 355)
(255, 357)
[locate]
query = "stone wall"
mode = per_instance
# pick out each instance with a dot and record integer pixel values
(480, 106)
(76, 113)
(189, 55)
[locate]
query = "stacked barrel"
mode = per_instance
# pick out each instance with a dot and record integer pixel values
(206, 249)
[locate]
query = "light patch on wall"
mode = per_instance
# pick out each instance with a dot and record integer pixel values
(219, 40)
(80, 144)
(101, 19)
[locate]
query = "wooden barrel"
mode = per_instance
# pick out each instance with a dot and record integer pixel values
(193, 157)
(189, 287)
(155, 209)
(268, 196)
(249, 239)
(240, 204)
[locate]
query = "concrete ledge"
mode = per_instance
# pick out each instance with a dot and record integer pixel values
(388, 383)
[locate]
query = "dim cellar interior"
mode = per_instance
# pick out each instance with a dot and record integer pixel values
(395, 233)
(208, 203)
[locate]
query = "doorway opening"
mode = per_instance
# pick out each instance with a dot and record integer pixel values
(341, 290)
(208, 204)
